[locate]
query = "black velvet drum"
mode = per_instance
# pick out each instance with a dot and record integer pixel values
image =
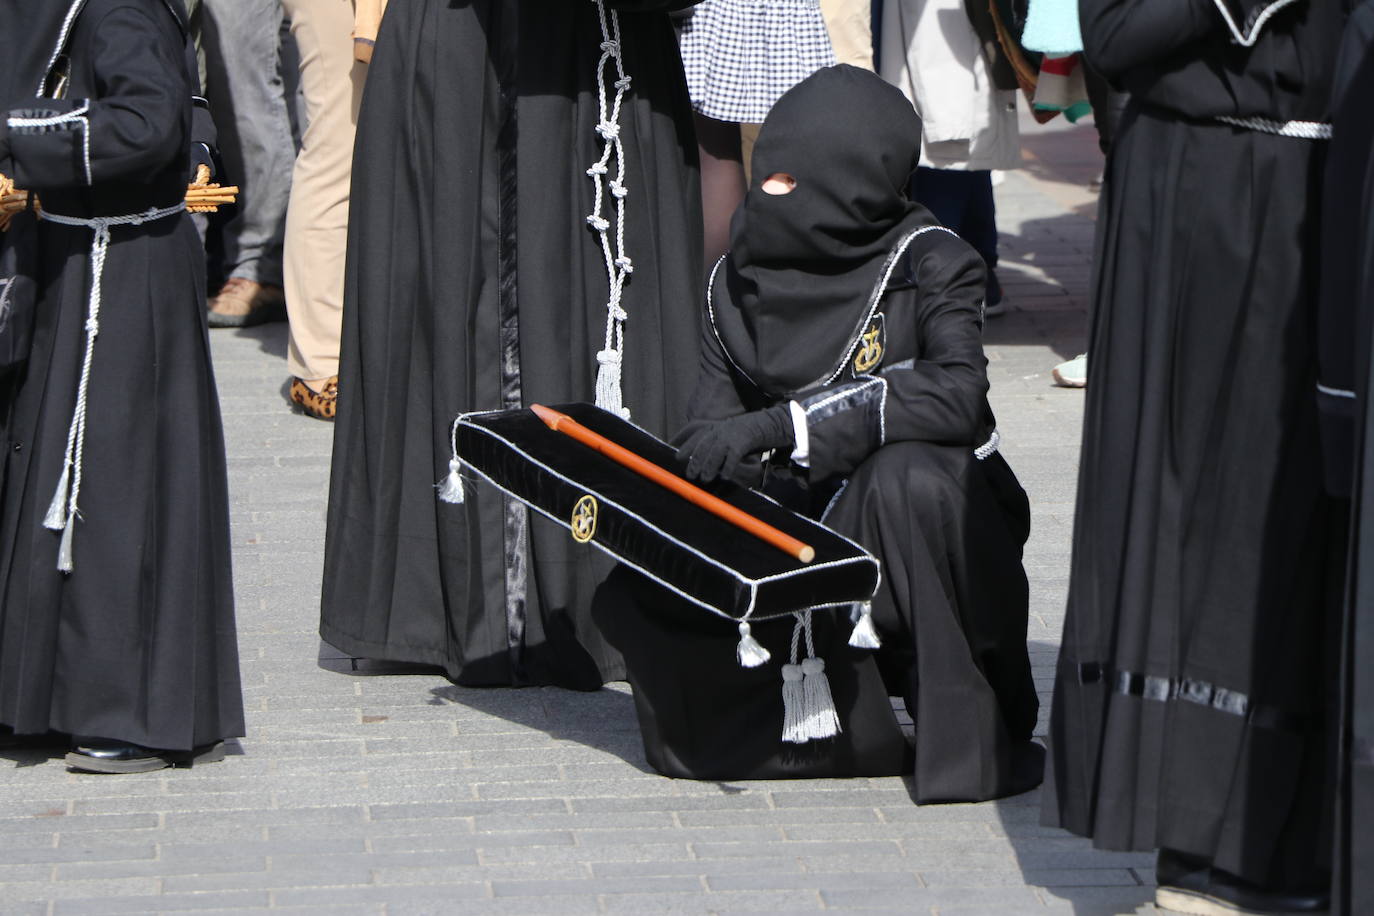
(684, 548)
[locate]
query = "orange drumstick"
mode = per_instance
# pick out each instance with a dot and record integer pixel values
(561, 422)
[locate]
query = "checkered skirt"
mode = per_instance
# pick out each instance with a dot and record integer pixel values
(742, 55)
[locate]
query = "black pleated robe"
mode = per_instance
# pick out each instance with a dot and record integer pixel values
(1346, 330)
(1190, 700)
(137, 642)
(892, 465)
(474, 282)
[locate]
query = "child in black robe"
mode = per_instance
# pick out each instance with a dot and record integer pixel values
(116, 604)
(842, 335)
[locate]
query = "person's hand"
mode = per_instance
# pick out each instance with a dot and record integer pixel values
(717, 450)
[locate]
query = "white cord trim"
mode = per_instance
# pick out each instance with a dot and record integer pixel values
(711, 315)
(65, 508)
(843, 394)
(57, 120)
(1335, 392)
(876, 297)
(1248, 36)
(1302, 130)
(76, 118)
(619, 266)
(988, 448)
(62, 37)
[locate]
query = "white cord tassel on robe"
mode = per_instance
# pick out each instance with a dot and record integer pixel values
(63, 510)
(611, 358)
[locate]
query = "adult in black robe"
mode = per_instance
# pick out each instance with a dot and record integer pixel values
(1189, 696)
(475, 282)
(846, 315)
(135, 644)
(1345, 327)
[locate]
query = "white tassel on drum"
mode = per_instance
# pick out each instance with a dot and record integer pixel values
(451, 487)
(794, 729)
(865, 635)
(819, 717)
(749, 651)
(808, 707)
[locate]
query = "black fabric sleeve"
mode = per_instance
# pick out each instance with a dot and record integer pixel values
(131, 128)
(204, 137)
(716, 395)
(939, 397)
(1119, 35)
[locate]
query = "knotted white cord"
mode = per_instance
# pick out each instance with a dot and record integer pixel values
(64, 509)
(618, 264)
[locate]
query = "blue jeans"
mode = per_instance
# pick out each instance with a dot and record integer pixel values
(248, 98)
(963, 201)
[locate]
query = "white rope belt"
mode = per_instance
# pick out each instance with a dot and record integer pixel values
(988, 448)
(1302, 130)
(63, 510)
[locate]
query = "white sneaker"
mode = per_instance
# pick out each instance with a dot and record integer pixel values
(1072, 373)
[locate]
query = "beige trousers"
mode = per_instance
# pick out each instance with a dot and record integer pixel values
(317, 217)
(851, 31)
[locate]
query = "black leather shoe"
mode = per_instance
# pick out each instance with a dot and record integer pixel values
(98, 755)
(1188, 885)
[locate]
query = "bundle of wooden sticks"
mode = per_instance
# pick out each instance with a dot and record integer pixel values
(201, 197)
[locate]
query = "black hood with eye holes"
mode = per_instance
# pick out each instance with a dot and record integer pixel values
(802, 265)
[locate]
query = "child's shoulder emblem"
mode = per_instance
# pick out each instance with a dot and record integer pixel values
(871, 346)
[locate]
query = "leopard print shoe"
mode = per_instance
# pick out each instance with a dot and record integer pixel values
(319, 404)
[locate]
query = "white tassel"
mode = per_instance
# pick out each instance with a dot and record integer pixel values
(64, 552)
(749, 652)
(56, 519)
(608, 392)
(865, 635)
(794, 729)
(451, 487)
(819, 719)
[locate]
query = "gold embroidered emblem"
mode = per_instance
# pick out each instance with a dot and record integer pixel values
(871, 349)
(584, 519)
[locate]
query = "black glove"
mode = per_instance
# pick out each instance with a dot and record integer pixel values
(716, 450)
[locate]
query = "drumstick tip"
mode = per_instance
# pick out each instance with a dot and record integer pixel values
(807, 553)
(550, 416)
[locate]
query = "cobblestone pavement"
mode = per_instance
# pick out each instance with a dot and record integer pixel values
(405, 794)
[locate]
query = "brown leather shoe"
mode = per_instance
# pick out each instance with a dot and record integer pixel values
(319, 404)
(243, 303)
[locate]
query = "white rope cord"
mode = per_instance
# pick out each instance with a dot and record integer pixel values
(1301, 130)
(988, 448)
(64, 509)
(610, 358)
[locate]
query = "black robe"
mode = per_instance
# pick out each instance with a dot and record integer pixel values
(1346, 325)
(1191, 686)
(137, 642)
(892, 465)
(474, 282)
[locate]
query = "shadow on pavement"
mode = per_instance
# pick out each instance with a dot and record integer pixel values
(271, 337)
(602, 719)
